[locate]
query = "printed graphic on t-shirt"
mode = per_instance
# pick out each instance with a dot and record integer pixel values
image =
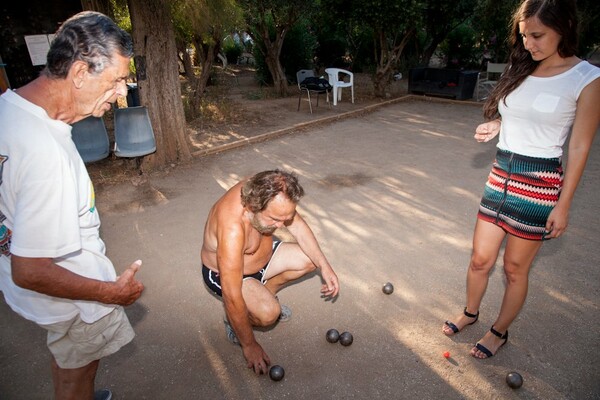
(92, 198)
(5, 235)
(3, 159)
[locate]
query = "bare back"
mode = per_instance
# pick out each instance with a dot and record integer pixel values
(228, 220)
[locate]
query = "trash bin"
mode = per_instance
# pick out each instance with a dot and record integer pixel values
(133, 95)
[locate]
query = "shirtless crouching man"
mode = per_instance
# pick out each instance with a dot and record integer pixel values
(242, 263)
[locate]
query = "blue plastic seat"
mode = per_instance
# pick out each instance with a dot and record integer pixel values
(91, 139)
(134, 136)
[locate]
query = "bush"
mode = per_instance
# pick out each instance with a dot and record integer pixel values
(460, 48)
(298, 49)
(331, 52)
(232, 50)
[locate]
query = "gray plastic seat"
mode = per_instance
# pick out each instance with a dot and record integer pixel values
(303, 86)
(91, 139)
(134, 136)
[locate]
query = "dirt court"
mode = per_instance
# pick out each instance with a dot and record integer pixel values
(392, 196)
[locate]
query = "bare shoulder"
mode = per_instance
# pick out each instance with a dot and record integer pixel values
(226, 216)
(590, 97)
(224, 227)
(229, 206)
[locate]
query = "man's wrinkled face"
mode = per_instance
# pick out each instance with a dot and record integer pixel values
(99, 91)
(279, 212)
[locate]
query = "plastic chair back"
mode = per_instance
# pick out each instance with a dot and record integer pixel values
(485, 84)
(91, 139)
(134, 136)
(496, 68)
(302, 74)
(338, 84)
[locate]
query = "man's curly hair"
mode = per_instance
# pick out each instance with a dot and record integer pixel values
(259, 190)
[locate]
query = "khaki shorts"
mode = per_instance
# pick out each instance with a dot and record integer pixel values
(75, 343)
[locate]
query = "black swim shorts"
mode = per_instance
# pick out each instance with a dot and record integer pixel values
(213, 281)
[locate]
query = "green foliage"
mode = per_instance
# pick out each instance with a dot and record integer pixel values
(331, 52)
(232, 49)
(332, 45)
(263, 76)
(374, 28)
(120, 12)
(394, 16)
(283, 12)
(441, 17)
(492, 23)
(269, 22)
(297, 52)
(589, 23)
(460, 48)
(298, 49)
(205, 19)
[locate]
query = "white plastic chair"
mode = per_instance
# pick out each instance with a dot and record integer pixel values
(134, 136)
(91, 139)
(485, 81)
(338, 82)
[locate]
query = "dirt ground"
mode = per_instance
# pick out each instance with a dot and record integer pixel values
(239, 111)
(392, 193)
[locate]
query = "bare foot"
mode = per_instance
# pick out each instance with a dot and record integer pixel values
(460, 322)
(490, 342)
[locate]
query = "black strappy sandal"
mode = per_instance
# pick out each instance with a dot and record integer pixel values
(485, 350)
(455, 328)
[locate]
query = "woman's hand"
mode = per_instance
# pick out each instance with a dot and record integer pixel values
(487, 131)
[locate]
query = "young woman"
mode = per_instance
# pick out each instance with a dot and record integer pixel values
(545, 94)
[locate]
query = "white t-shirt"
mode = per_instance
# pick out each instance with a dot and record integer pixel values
(539, 114)
(47, 210)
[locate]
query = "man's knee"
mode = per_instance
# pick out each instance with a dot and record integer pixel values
(266, 313)
(309, 267)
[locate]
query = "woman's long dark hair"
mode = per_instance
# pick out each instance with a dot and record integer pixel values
(558, 15)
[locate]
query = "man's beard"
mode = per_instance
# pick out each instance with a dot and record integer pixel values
(265, 230)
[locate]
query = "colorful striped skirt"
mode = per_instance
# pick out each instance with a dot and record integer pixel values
(520, 193)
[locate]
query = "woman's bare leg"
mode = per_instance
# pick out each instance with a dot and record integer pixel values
(487, 240)
(518, 257)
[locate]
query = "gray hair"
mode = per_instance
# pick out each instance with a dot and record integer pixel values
(90, 37)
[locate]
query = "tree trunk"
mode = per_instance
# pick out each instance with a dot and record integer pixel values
(273, 51)
(158, 80)
(186, 60)
(207, 55)
(279, 78)
(386, 60)
(102, 6)
(428, 52)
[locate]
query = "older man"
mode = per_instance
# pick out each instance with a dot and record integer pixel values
(53, 268)
(243, 264)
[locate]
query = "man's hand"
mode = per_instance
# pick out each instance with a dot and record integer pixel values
(331, 287)
(256, 358)
(42, 275)
(128, 288)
